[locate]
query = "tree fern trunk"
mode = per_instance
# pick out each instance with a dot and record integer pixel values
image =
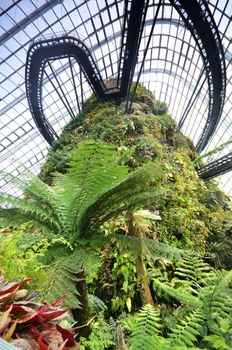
(81, 315)
(145, 292)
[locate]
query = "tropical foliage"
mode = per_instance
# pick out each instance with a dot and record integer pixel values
(30, 325)
(117, 222)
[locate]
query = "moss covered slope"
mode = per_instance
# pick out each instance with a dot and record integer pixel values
(194, 214)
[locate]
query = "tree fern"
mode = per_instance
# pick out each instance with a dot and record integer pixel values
(133, 192)
(95, 190)
(146, 329)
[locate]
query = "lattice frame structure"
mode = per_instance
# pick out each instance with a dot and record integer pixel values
(172, 69)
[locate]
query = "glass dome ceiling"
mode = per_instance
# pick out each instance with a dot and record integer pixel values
(169, 62)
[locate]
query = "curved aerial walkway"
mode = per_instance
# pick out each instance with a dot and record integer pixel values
(216, 168)
(38, 55)
(197, 18)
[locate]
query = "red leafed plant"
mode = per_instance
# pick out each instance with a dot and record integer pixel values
(29, 325)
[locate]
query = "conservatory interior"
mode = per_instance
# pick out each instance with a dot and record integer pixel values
(115, 176)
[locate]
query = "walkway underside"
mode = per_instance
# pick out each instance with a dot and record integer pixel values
(216, 168)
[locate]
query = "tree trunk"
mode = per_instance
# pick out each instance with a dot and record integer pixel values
(81, 315)
(145, 292)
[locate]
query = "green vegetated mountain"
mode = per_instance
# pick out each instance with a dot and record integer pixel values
(194, 214)
(120, 223)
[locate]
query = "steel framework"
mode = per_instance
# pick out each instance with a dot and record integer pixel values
(167, 58)
(197, 18)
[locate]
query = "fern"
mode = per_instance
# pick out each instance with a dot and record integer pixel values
(146, 329)
(217, 296)
(179, 294)
(186, 333)
(95, 190)
(218, 342)
(96, 304)
(149, 247)
(192, 272)
(63, 276)
(101, 337)
(205, 294)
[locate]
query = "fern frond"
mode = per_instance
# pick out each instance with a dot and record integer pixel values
(13, 217)
(192, 272)
(179, 294)
(63, 276)
(217, 341)
(186, 333)
(33, 209)
(217, 296)
(134, 192)
(66, 200)
(62, 280)
(96, 304)
(146, 329)
(149, 247)
(29, 183)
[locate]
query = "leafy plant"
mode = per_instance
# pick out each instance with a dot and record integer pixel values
(31, 325)
(23, 253)
(101, 337)
(125, 279)
(94, 191)
(18, 258)
(204, 294)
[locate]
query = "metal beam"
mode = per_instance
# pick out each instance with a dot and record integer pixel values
(203, 28)
(216, 168)
(21, 25)
(131, 36)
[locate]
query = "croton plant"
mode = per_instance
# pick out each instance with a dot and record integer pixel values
(29, 325)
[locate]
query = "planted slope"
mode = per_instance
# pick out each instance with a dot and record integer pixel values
(194, 214)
